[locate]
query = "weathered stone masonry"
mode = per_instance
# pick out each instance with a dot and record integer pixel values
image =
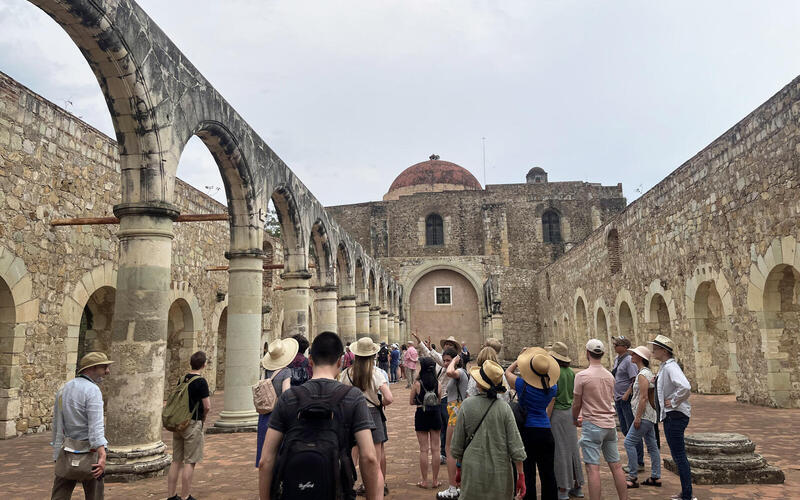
(708, 257)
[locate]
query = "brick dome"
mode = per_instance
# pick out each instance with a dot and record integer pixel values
(434, 175)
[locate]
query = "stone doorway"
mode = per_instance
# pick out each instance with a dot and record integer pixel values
(94, 333)
(712, 333)
(222, 336)
(180, 343)
(781, 334)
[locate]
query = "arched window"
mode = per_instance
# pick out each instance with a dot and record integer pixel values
(551, 227)
(612, 243)
(434, 230)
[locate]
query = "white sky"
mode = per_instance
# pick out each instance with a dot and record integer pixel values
(351, 93)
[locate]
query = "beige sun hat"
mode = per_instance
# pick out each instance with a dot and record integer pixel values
(364, 347)
(451, 340)
(93, 359)
(641, 351)
(664, 343)
(536, 364)
(560, 351)
(281, 353)
(492, 375)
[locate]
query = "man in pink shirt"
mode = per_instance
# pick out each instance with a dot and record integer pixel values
(593, 411)
(410, 363)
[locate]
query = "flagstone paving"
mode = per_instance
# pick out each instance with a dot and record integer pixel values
(228, 470)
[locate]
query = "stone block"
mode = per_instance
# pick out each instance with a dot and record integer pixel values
(28, 312)
(8, 429)
(9, 408)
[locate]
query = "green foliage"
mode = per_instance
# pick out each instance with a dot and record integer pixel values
(272, 225)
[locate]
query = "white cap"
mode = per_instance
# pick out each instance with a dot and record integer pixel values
(595, 346)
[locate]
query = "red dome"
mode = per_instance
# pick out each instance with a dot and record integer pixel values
(435, 172)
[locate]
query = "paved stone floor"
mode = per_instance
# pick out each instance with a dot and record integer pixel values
(228, 472)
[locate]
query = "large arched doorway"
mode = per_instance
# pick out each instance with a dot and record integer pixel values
(442, 303)
(180, 329)
(713, 353)
(581, 336)
(222, 336)
(95, 328)
(782, 319)
(625, 319)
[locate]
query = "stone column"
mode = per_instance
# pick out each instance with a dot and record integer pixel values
(391, 324)
(243, 341)
(403, 334)
(384, 325)
(375, 323)
(497, 327)
(347, 318)
(396, 328)
(326, 306)
(296, 300)
(362, 320)
(139, 338)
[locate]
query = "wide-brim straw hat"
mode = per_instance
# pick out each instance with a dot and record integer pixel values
(93, 359)
(452, 341)
(560, 351)
(535, 364)
(492, 371)
(664, 343)
(641, 351)
(364, 347)
(281, 353)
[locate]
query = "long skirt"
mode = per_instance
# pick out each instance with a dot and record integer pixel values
(263, 425)
(567, 458)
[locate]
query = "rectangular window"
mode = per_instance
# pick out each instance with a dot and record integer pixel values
(443, 295)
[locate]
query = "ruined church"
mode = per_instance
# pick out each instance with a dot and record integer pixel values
(103, 248)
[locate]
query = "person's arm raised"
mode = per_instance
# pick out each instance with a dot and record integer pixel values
(452, 371)
(511, 377)
(266, 465)
(369, 465)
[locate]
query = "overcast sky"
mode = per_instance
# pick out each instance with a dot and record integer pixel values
(351, 93)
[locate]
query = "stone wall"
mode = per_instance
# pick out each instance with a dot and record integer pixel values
(708, 257)
(52, 165)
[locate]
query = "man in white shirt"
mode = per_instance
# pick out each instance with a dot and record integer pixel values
(78, 424)
(673, 398)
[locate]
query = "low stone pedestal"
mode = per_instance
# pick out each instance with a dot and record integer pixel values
(231, 430)
(726, 458)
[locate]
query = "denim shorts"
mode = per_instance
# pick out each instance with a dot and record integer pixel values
(594, 439)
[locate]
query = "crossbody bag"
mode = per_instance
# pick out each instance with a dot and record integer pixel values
(76, 458)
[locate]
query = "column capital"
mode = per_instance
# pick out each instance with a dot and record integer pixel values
(392, 315)
(251, 252)
(327, 289)
(347, 297)
(151, 208)
(303, 274)
(375, 308)
(362, 304)
(384, 312)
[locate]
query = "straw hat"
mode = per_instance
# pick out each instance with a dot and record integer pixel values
(535, 364)
(492, 375)
(281, 353)
(641, 351)
(364, 347)
(451, 340)
(560, 351)
(664, 343)
(93, 359)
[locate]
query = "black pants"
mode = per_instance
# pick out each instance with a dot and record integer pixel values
(541, 449)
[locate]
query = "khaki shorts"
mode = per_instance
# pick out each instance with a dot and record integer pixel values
(187, 446)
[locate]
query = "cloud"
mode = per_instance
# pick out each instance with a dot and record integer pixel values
(351, 93)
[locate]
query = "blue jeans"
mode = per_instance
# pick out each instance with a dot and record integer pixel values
(674, 426)
(625, 414)
(393, 372)
(647, 431)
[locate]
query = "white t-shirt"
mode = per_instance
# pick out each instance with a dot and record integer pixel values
(372, 393)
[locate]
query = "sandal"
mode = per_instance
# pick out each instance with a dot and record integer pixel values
(361, 490)
(631, 482)
(422, 485)
(652, 481)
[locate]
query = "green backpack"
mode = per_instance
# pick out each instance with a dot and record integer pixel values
(177, 415)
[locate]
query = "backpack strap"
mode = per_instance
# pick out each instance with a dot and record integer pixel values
(472, 436)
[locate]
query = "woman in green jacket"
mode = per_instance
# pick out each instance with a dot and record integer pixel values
(495, 441)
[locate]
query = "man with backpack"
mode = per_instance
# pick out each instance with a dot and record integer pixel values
(187, 437)
(313, 427)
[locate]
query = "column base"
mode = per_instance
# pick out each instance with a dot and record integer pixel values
(235, 421)
(131, 463)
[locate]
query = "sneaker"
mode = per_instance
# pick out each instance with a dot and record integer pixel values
(451, 493)
(576, 492)
(443, 461)
(563, 494)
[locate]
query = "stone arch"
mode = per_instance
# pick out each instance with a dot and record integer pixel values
(110, 40)
(708, 311)
(246, 232)
(320, 242)
(434, 265)
(659, 311)
(361, 282)
(602, 326)
(564, 334)
(581, 333)
(184, 327)
(219, 321)
(95, 327)
(295, 258)
(553, 332)
(627, 321)
(72, 311)
(18, 309)
(773, 295)
(345, 274)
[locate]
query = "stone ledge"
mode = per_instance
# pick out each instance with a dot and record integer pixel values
(231, 430)
(764, 475)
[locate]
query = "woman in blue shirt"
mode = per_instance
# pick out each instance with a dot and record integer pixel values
(536, 391)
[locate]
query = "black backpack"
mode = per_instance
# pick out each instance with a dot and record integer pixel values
(383, 355)
(299, 374)
(314, 460)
